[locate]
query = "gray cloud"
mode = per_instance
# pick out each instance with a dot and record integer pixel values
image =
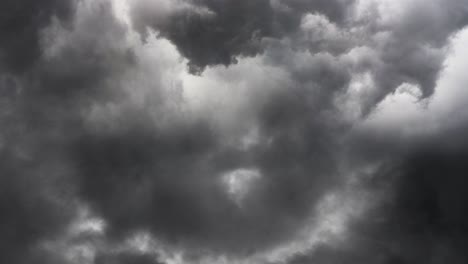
(21, 23)
(422, 218)
(171, 179)
(125, 258)
(408, 46)
(227, 29)
(39, 118)
(411, 45)
(235, 161)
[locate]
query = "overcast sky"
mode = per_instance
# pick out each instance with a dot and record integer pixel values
(233, 131)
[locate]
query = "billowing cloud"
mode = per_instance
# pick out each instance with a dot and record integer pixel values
(312, 131)
(422, 217)
(216, 32)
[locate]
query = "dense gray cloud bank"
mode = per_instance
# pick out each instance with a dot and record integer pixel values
(232, 131)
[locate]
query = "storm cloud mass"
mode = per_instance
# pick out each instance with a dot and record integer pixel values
(233, 131)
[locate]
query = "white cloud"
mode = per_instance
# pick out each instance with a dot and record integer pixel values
(238, 183)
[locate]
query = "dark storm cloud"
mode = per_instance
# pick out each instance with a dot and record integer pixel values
(40, 115)
(423, 217)
(140, 176)
(20, 25)
(406, 47)
(35, 189)
(30, 206)
(411, 46)
(33, 200)
(394, 42)
(125, 258)
(170, 182)
(427, 218)
(229, 28)
(140, 172)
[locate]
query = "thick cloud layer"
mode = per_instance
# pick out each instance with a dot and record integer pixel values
(216, 32)
(125, 258)
(284, 147)
(423, 219)
(21, 23)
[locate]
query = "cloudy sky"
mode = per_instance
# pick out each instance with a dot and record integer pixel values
(233, 131)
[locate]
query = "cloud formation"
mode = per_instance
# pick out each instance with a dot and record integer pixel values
(197, 131)
(216, 32)
(21, 23)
